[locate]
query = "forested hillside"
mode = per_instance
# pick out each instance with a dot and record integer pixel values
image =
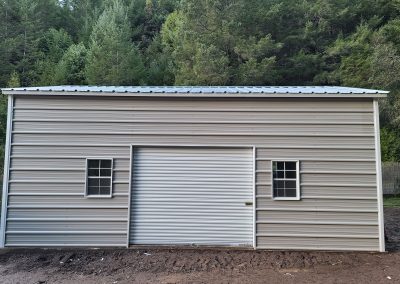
(206, 42)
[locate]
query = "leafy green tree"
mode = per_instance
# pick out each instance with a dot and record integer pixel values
(112, 58)
(207, 65)
(256, 61)
(208, 45)
(70, 70)
(351, 57)
(146, 18)
(390, 145)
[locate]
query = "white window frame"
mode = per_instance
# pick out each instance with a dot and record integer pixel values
(297, 197)
(87, 177)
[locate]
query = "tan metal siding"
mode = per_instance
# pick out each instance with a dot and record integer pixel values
(66, 213)
(27, 201)
(338, 192)
(343, 167)
(59, 151)
(56, 225)
(315, 216)
(332, 138)
(257, 128)
(218, 104)
(54, 174)
(41, 188)
(307, 242)
(316, 229)
(315, 153)
(72, 239)
(311, 146)
(67, 163)
(205, 116)
(266, 203)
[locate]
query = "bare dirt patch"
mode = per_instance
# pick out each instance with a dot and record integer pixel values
(203, 265)
(392, 228)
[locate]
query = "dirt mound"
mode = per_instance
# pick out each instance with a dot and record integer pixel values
(107, 261)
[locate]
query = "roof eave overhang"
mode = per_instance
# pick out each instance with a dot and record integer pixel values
(197, 95)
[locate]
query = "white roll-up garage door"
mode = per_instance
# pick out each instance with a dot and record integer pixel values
(192, 196)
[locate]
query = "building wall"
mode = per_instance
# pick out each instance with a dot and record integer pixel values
(332, 138)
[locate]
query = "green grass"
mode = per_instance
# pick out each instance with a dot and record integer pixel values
(391, 201)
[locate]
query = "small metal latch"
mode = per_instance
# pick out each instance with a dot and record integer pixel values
(248, 203)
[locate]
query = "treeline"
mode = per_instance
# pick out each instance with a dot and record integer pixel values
(206, 42)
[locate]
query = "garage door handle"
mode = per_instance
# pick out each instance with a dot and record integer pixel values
(248, 203)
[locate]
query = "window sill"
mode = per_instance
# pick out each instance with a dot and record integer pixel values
(98, 196)
(286, 198)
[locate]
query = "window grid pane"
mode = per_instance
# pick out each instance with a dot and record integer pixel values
(285, 176)
(99, 177)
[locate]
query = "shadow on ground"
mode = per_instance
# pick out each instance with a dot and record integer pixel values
(392, 229)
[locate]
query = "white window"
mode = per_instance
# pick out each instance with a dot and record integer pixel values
(99, 174)
(285, 180)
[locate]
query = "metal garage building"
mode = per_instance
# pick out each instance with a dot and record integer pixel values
(260, 167)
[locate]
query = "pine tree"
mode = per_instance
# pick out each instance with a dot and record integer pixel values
(10, 39)
(50, 48)
(112, 58)
(14, 81)
(30, 28)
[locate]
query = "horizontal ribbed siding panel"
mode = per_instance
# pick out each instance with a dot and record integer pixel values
(65, 225)
(317, 229)
(155, 116)
(195, 104)
(317, 204)
(316, 216)
(203, 116)
(61, 163)
(318, 167)
(77, 174)
(49, 239)
(21, 201)
(83, 151)
(316, 179)
(256, 128)
(343, 167)
(313, 243)
(339, 178)
(339, 192)
(200, 205)
(44, 213)
(328, 192)
(296, 143)
(263, 153)
(59, 188)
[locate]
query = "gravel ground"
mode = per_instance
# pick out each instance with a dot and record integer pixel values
(203, 266)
